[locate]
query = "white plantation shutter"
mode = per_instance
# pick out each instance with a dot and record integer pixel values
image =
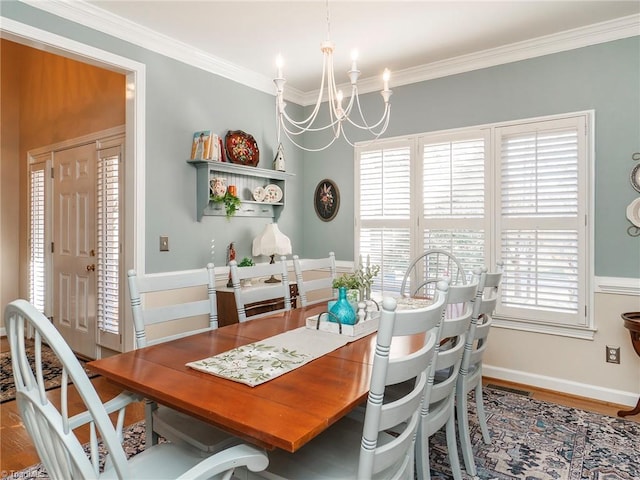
(542, 228)
(37, 255)
(385, 184)
(388, 248)
(108, 239)
(453, 184)
(383, 209)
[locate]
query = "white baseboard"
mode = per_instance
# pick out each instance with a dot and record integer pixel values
(563, 386)
(3, 332)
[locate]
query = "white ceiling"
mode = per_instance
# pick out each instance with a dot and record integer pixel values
(400, 35)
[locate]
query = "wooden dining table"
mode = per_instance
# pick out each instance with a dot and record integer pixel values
(285, 412)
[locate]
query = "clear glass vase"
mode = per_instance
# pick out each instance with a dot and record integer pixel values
(342, 309)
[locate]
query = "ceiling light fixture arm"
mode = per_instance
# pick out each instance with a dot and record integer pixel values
(338, 113)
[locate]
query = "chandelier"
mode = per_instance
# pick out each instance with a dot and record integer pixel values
(338, 114)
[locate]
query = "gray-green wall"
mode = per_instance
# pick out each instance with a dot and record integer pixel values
(182, 99)
(604, 77)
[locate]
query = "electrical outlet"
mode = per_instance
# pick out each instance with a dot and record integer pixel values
(164, 243)
(613, 354)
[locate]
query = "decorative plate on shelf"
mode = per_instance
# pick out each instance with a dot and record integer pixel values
(241, 148)
(258, 194)
(633, 212)
(273, 193)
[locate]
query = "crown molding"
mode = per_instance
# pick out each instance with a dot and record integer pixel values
(617, 29)
(93, 17)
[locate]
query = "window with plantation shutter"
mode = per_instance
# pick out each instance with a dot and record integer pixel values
(542, 239)
(37, 245)
(513, 193)
(108, 233)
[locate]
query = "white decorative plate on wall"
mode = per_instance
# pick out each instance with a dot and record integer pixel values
(273, 193)
(633, 212)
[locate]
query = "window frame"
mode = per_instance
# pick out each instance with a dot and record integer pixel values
(584, 325)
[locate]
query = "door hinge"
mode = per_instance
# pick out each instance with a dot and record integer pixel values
(51, 247)
(52, 170)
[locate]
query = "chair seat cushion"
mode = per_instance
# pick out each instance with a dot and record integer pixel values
(334, 454)
(192, 432)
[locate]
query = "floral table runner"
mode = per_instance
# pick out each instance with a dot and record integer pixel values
(259, 362)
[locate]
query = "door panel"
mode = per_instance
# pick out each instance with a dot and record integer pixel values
(74, 233)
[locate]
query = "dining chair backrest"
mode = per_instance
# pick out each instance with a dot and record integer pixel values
(425, 271)
(50, 428)
(438, 408)
(483, 308)
(184, 303)
(181, 296)
(451, 336)
(320, 273)
(396, 458)
(53, 430)
(260, 290)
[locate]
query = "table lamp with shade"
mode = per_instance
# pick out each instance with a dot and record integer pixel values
(271, 242)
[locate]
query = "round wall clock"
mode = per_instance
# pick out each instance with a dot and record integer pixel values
(326, 200)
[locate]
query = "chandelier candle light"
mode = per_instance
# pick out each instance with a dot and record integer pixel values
(337, 113)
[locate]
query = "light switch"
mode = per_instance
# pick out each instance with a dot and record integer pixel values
(164, 243)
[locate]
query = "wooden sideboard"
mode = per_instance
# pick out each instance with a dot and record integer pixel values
(227, 313)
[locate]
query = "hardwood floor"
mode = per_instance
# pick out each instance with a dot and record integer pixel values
(17, 451)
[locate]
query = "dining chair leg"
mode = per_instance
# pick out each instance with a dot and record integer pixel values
(482, 416)
(453, 448)
(462, 413)
(422, 456)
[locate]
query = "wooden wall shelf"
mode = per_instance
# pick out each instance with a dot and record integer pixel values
(245, 179)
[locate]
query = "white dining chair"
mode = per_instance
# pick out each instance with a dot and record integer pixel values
(438, 410)
(352, 449)
(260, 290)
(470, 376)
(315, 275)
(176, 304)
(52, 428)
(430, 267)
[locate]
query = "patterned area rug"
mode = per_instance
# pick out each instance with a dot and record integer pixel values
(52, 371)
(536, 440)
(531, 440)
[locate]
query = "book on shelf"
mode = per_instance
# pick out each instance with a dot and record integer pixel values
(201, 146)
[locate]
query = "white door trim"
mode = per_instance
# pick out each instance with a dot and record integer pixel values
(134, 221)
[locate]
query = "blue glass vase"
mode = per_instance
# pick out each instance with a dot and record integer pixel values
(343, 309)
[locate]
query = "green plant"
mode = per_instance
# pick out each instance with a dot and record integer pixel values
(361, 278)
(246, 262)
(231, 203)
(348, 280)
